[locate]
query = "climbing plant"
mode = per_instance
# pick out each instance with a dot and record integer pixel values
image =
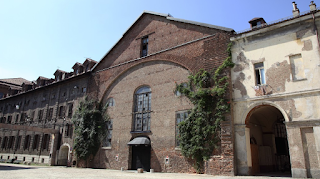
(90, 128)
(208, 93)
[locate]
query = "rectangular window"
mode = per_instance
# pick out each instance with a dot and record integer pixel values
(297, 67)
(23, 117)
(9, 119)
(26, 142)
(259, 71)
(107, 141)
(70, 110)
(45, 142)
(180, 116)
(11, 142)
(61, 111)
(32, 116)
(17, 118)
(40, 115)
(50, 114)
(144, 46)
(18, 143)
(35, 144)
(68, 130)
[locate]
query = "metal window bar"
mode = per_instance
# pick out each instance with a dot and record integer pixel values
(142, 112)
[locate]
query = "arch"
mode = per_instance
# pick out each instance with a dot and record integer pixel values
(134, 66)
(64, 156)
(246, 115)
(268, 152)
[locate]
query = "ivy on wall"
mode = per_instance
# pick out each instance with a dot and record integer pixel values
(90, 128)
(208, 93)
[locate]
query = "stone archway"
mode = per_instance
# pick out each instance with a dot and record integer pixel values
(63, 155)
(268, 141)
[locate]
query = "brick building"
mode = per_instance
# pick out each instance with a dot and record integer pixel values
(137, 78)
(36, 120)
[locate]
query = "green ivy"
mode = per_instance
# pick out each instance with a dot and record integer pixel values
(90, 128)
(208, 93)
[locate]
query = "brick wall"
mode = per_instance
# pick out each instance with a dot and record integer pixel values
(121, 72)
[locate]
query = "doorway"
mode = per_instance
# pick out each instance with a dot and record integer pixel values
(141, 157)
(63, 156)
(268, 142)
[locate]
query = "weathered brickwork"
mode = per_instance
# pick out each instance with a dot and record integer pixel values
(38, 135)
(175, 50)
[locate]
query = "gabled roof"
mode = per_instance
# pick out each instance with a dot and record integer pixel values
(42, 78)
(169, 17)
(14, 81)
(76, 65)
(88, 60)
(59, 71)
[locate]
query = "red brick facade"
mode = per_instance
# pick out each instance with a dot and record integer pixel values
(175, 49)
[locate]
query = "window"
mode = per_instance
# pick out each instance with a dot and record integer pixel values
(84, 89)
(70, 110)
(4, 143)
(26, 142)
(68, 130)
(18, 142)
(9, 119)
(32, 116)
(107, 141)
(144, 46)
(180, 116)
(110, 102)
(177, 93)
(50, 114)
(40, 115)
(3, 120)
(35, 144)
(17, 118)
(23, 117)
(142, 109)
(297, 67)
(11, 142)
(45, 142)
(61, 111)
(259, 70)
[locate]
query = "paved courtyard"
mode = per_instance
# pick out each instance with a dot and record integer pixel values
(8, 171)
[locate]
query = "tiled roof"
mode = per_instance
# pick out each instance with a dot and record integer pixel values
(14, 81)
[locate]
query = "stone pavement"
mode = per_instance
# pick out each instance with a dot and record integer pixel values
(9, 171)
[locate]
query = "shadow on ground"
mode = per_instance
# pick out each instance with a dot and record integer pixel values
(12, 168)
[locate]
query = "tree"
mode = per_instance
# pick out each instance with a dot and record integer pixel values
(208, 93)
(90, 128)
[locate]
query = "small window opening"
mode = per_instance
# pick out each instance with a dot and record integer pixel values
(144, 46)
(259, 72)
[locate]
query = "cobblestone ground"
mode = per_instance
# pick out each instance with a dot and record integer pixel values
(8, 171)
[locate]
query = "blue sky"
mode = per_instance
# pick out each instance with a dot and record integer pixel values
(39, 36)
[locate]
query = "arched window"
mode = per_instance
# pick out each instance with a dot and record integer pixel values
(110, 102)
(142, 109)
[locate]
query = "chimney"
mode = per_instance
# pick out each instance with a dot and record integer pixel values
(295, 10)
(312, 6)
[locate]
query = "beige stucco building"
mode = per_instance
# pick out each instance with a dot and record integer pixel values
(276, 96)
